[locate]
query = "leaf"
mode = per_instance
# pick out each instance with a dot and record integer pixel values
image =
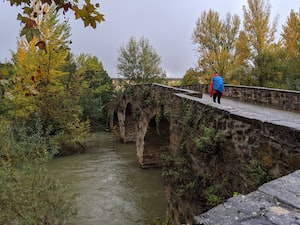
(21, 18)
(27, 10)
(29, 36)
(23, 31)
(4, 82)
(93, 24)
(41, 45)
(30, 23)
(29, 33)
(46, 1)
(86, 23)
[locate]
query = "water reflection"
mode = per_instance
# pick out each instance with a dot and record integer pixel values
(112, 188)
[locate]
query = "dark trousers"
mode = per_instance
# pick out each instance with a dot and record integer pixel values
(217, 96)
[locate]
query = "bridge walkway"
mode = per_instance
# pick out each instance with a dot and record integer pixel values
(258, 112)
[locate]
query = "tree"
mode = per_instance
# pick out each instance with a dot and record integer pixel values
(39, 84)
(96, 89)
(291, 47)
(291, 34)
(260, 38)
(256, 26)
(139, 62)
(240, 73)
(191, 77)
(38, 70)
(259, 33)
(216, 43)
(34, 10)
(267, 69)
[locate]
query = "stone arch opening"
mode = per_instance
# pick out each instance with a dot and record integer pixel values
(130, 132)
(156, 142)
(114, 124)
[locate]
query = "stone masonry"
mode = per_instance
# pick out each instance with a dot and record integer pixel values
(274, 203)
(168, 119)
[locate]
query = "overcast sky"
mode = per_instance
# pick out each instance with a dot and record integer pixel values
(167, 24)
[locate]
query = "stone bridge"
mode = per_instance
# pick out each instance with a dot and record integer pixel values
(260, 130)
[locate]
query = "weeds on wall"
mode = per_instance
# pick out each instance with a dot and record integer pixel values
(167, 221)
(199, 140)
(178, 173)
(161, 115)
(258, 173)
(146, 96)
(211, 141)
(212, 196)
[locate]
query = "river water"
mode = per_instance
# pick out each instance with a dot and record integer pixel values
(112, 189)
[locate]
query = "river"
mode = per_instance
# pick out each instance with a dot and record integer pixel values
(112, 189)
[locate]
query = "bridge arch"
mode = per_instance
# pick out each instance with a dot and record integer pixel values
(165, 118)
(156, 142)
(129, 123)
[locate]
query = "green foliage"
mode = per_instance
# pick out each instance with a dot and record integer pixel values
(248, 56)
(146, 96)
(235, 194)
(190, 77)
(258, 172)
(88, 13)
(210, 140)
(139, 62)
(161, 115)
(41, 87)
(96, 90)
(6, 72)
(41, 102)
(177, 171)
(158, 222)
(33, 12)
(211, 195)
(27, 194)
(291, 74)
(267, 71)
(188, 116)
(215, 39)
(189, 178)
(258, 27)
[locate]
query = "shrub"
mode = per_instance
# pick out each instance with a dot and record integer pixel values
(27, 194)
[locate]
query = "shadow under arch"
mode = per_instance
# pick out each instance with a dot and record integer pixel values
(156, 141)
(130, 131)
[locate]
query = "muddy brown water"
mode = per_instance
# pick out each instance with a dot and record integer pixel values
(112, 189)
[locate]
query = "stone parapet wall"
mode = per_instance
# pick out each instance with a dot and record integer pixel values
(250, 144)
(278, 98)
(274, 203)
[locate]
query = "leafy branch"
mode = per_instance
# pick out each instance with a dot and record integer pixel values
(34, 10)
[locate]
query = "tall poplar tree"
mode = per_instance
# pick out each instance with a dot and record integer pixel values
(261, 40)
(291, 46)
(216, 43)
(241, 68)
(291, 34)
(260, 33)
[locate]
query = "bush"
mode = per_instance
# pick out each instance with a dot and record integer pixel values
(27, 194)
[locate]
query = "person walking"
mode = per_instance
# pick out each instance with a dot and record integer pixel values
(217, 88)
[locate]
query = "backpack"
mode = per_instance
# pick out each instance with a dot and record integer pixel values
(218, 84)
